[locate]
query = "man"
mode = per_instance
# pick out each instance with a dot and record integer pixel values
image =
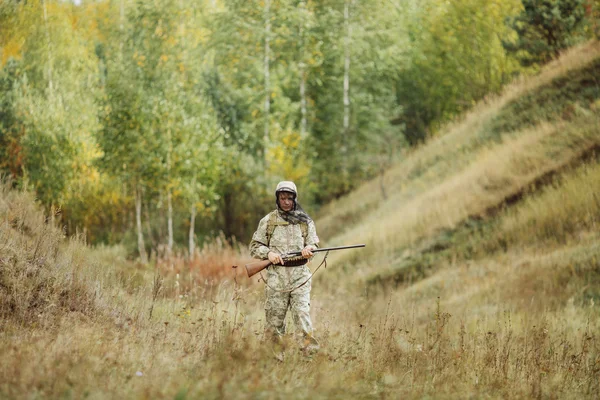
(287, 229)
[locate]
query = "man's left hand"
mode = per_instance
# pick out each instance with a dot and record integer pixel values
(307, 252)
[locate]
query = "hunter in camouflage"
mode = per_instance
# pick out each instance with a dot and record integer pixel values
(287, 229)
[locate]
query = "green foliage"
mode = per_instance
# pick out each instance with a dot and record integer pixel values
(457, 58)
(127, 144)
(545, 28)
(155, 124)
(375, 54)
(56, 81)
(11, 128)
(231, 110)
(103, 99)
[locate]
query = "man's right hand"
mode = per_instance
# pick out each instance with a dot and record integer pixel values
(275, 258)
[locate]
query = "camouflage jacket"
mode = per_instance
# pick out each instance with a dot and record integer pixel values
(285, 237)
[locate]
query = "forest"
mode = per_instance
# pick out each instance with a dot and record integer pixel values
(162, 124)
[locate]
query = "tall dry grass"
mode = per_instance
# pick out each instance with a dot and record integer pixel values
(494, 174)
(44, 274)
(38, 281)
(103, 343)
(197, 277)
(568, 209)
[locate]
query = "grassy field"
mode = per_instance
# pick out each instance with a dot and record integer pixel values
(481, 278)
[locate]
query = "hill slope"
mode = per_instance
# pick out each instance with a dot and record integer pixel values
(468, 180)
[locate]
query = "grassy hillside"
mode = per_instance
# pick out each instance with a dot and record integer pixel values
(480, 279)
(496, 156)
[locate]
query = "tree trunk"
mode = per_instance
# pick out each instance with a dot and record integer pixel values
(348, 27)
(228, 213)
(169, 194)
(147, 222)
(49, 45)
(138, 218)
(125, 219)
(121, 26)
(303, 102)
(302, 68)
(382, 182)
(192, 227)
(183, 42)
(267, 16)
(161, 217)
(346, 121)
(170, 221)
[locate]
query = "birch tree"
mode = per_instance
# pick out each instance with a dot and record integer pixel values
(267, 16)
(346, 92)
(59, 80)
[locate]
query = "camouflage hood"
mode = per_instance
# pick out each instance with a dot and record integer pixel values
(297, 214)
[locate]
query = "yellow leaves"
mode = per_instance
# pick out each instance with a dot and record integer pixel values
(312, 61)
(186, 313)
(54, 8)
(276, 154)
(140, 59)
(10, 49)
(286, 158)
(202, 35)
(291, 141)
(176, 190)
(200, 208)
(164, 58)
(91, 152)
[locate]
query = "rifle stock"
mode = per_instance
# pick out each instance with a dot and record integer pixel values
(257, 266)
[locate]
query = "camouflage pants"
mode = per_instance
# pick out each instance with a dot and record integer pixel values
(279, 281)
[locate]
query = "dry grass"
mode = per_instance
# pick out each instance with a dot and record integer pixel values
(405, 345)
(494, 174)
(567, 209)
(194, 279)
(36, 278)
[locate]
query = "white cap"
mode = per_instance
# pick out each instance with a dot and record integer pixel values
(287, 186)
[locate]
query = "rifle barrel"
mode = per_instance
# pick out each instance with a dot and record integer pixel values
(353, 246)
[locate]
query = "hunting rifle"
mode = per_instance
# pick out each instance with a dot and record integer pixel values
(257, 266)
